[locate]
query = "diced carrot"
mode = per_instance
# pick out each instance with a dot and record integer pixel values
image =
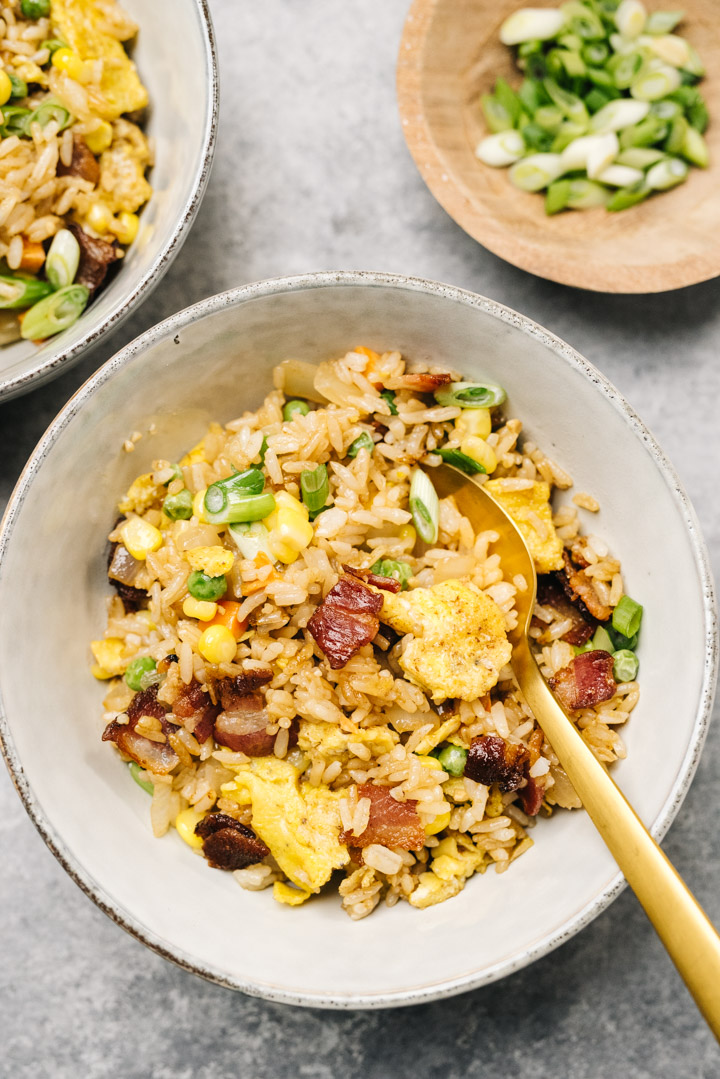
(372, 356)
(249, 588)
(33, 257)
(227, 616)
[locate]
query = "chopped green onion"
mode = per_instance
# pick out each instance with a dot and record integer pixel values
(627, 616)
(137, 671)
(179, 507)
(618, 115)
(52, 44)
(583, 21)
(630, 18)
(601, 640)
(291, 407)
(239, 506)
(136, 772)
(625, 197)
(55, 313)
(249, 482)
(315, 488)
(535, 172)
(362, 442)
(651, 129)
(19, 86)
(666, 109)
(263, 450)
(625, 68)
(201, 586)
(531, 24)
(663, 22)
(452, 759)
(639, 157)
(625, 666)
(471, 394)
(424, 506)
(19, 292)
(177, 474)
(620, 641)
(536, 137)
(620, 176)
(48, 112)
(666, 174)
(501, 149)
(35, 9)
(532, 95)
(549, 117)
(508, 99)
(389, 396)
(63, 259)
(390, 567)
(556, 198)
(694, 148)
(460, 460)
(496, 117)
(14, 121)
(652, 85)
(570, 104)
(251, 540)
(595, 53)
(585, 194)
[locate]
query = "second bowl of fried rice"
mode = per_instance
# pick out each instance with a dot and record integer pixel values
(276, 683)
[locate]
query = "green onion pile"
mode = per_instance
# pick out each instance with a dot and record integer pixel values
(52, 305)
(608, 111)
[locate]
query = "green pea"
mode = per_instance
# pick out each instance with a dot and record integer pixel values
(35, 9)
(291, 407)
(452, 759)
(179, 506)
(201, 586)
(137, 671)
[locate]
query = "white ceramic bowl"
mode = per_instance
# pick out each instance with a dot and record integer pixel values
(175, 55)
(214, 361)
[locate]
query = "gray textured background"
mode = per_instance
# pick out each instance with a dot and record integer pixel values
(312, 173)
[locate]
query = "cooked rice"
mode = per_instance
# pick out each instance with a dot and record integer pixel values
(366, 520)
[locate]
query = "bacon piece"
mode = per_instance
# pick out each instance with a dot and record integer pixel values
(228, 844)
(346, 620)
(552, 594)
(531, 797)
(424, 382)
(196, 710)
(586, 681)
(95, 257)
(157, 757)
(493, 760)
(231, 691)
(579, 590)
(122, 571)
(389, 584)
(391, 823)
(83, 164)
(241, 725)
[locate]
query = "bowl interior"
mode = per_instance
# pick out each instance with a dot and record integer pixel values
(215, 365)
(173, 57)
(451, 53)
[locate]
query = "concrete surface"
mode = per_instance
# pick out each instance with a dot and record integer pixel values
(312, 173)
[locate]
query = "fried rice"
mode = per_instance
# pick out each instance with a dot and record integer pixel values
(349, 762)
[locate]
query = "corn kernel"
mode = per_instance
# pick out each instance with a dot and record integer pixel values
(100, 673)
(140, 538)
(99, 140)
(125, 226)
(99, 217)
(473, 421)
(70, 63)
(202, 609)
(5, 87)
(146, 617)
(438, 824)
(285, 893)
(195, 455)
(109, 653)
(214, 561)
(289, 527)
(199, 506)
(478, 450)
(429, 762)
(29, 71)
(408, 535)
(217, 644)
(185, 823)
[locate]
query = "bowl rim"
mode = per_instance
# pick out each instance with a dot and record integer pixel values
(49, 368)
(686, 768)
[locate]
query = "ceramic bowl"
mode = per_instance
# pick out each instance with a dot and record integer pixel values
(450, 54)
(213, 361)
(175, 55)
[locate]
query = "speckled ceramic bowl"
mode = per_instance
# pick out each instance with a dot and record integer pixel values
(213, 361)
(175, 54)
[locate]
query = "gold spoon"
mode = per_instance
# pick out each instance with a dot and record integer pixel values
(680, 922)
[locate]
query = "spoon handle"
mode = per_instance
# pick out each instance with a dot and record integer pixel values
(680, 922)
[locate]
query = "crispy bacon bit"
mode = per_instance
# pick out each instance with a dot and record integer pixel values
(531, 797)
(231, 691)
(157, 757)
(389, 584)
(228, 844)
(346, 620)
(448, 707)
(241, 726)
(424, 382)
(95, 257)
(196, 711)
(577, 553)
(84, 163)
(122, 571)
(552, 594)
(586, 681)
(391, 823)
(579, 590)
(493, 760)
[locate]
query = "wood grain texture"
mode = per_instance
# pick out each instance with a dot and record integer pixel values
(449, 54)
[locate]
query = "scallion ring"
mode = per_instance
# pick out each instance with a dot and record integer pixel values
(424, 506)
(315, 488)
(63, 259)
(49, 111)
(239, 505)
(362, 442)
(460, 460)
(17, 293)
(627, 616)
(55, 313)
(471, 394)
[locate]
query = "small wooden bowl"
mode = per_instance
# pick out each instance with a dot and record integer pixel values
(450, 54)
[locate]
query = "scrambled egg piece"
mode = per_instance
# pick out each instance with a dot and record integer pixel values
(122, 184)
(544, 544)
(110, 656)
(140, 495)
(195, 455)
(83, 25)
(300, 826)
(328, 740)
(214, 561)
(460, 643)
(450, 868)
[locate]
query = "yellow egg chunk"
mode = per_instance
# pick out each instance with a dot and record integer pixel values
(80, 24)
(140, 495)
(285, 893)
(110, 656)
(300, 825)
(123, 186)
(450, 868)
(459, 646)
(329, 740)
(185, 823)
(531, 512)
(214, 561)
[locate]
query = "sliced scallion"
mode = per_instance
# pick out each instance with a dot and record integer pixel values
(627, 616)
(389, 397)
(531, 24)
(240, 506)
(55, 313)
(460, 460)
(663, 22)
(424, 506)
(63, 259)
(625, 197)
(20, 292)
(136, 772)
(251, 539)
(667, 173)
(501, 149)
(50, 111)
(535, 172)
(362, 442)
(601, 640)
(471, 394)
(315, 488)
